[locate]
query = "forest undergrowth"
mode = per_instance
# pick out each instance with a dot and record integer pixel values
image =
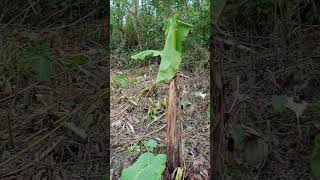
(53, 70)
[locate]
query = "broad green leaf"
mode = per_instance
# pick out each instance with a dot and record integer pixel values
(238, 135)
(147, 167)
(216, 9)
(175, 32)
(170, 61)
(145, 54)
(151, 144)
(40, 61)
(315, 158)
(181, 34)
(278, 102)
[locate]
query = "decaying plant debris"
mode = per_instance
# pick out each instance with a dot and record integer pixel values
(130, 104)
(55, 127)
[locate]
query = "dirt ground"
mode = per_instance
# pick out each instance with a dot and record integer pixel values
(130, 125)
(265, 69)
(57, 129)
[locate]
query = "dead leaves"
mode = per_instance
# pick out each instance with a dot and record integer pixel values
(251, 149)
(78, 131)
(6, 89)
(199, 170)
(281, 102)
(255, 151)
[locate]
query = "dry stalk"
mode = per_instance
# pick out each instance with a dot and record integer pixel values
(174, 129)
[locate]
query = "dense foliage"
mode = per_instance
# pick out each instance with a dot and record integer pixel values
(138, 25)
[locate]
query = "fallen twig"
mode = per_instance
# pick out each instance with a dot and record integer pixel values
(156, 119)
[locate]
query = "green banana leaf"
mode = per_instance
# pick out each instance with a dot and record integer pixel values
(175, 32)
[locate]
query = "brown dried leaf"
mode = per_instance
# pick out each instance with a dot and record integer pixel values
(255, 151)
(174, 128)
(116, 123)
(199, 169)
(6, 88)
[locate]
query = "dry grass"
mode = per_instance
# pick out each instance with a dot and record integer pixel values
(130, 104)
(37, 144)
(266, 67)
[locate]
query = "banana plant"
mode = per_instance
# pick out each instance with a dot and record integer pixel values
(176, 32)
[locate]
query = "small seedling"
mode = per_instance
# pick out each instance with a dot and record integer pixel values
(39, 59)
(119, 79)
(123, 82)
(185, 104)
(151, 144)
(199, 94)
(161, 104)
(238, 135)
(148, 166)
(248, 144)
(151, 114)
(278, 102)
(134, 149)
